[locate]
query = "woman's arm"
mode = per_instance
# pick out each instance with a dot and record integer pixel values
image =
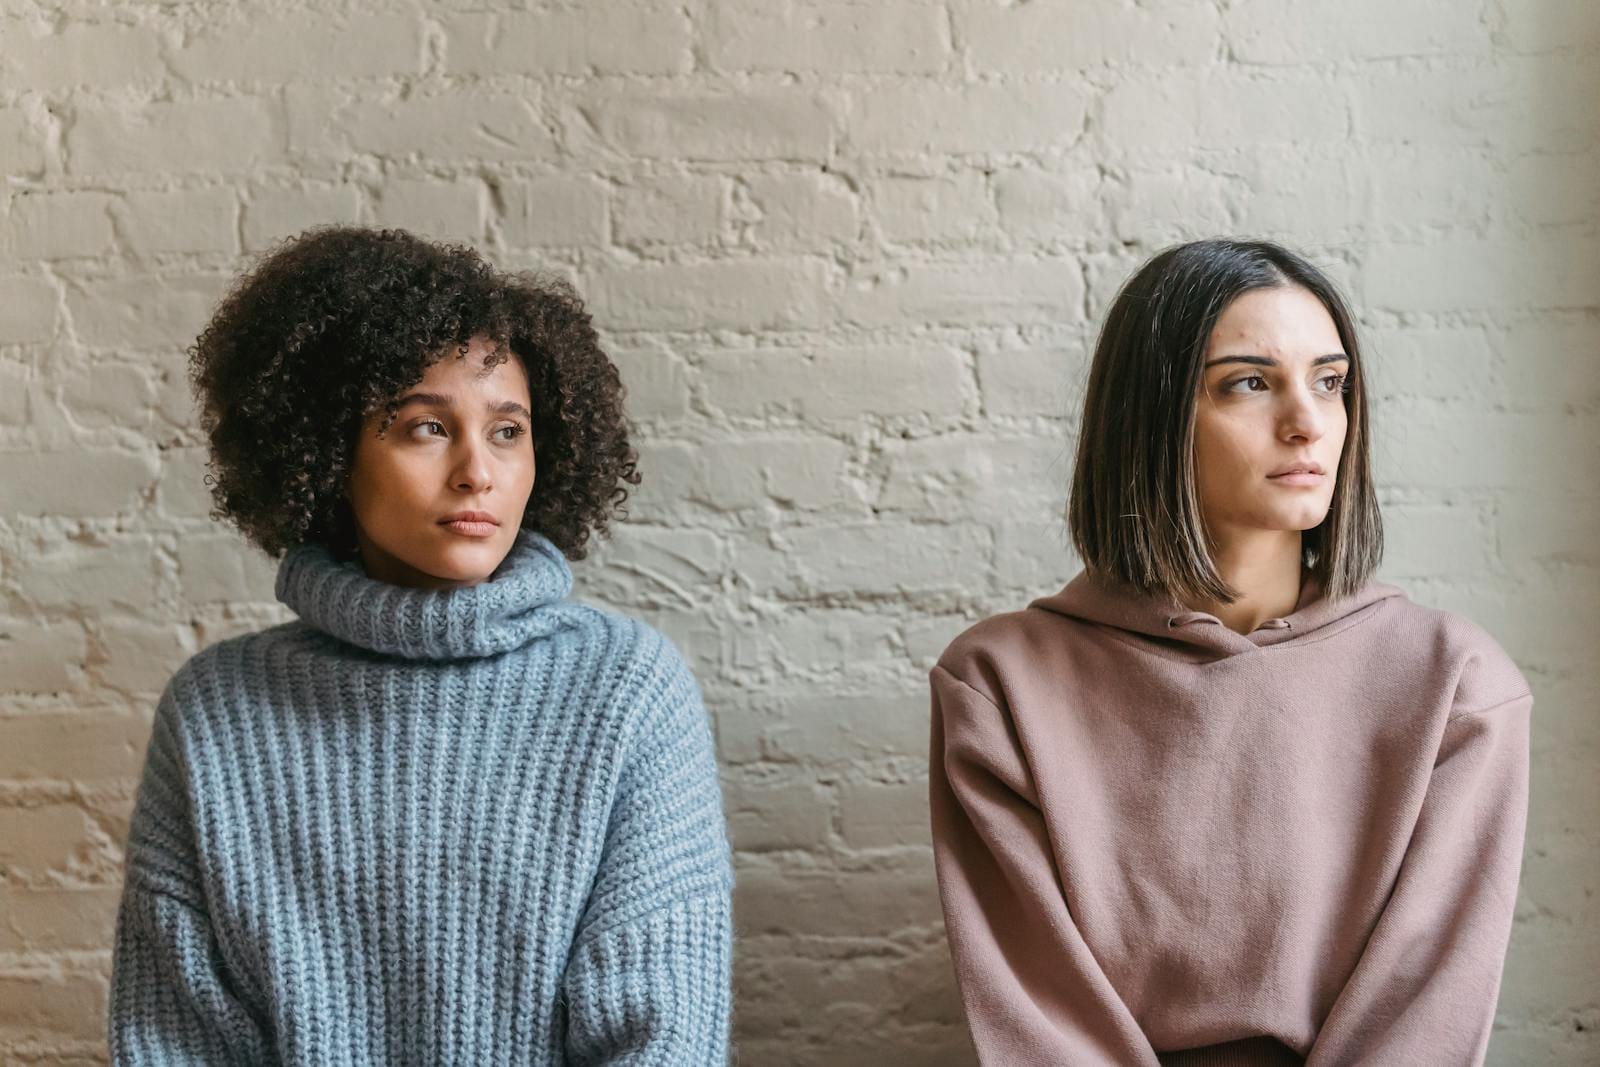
(1425, 988)
(648, 979)
(171, 1001)
(1032, 990)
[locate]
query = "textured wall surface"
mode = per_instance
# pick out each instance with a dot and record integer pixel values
(850, 257)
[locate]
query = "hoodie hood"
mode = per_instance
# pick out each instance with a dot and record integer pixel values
(1158, 617)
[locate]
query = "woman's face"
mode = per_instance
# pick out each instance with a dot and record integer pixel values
(1271, 400)
(460, 443)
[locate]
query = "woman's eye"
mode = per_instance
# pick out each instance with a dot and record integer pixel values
(511, 432)
(1233, 386)
(439, 426)
(1337, 383)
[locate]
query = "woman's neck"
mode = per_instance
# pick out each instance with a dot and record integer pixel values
(1264, 567)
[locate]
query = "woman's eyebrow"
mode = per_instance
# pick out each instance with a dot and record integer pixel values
(435, 400)
(511, 407)
(1268, 361)
(439, 400)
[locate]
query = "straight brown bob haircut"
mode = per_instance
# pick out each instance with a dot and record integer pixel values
(1135, 509)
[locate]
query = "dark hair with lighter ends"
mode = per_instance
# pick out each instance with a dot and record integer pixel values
(335, 324)
(1135, 507)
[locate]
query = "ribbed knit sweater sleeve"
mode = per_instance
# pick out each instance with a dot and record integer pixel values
(172, 1002)
(1031, 988)
(1428, 979)
(648, 978)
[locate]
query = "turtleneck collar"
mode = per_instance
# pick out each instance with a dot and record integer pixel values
(494, 616)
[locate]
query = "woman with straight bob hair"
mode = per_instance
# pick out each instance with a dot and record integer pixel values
(1225, 799)
(447, 815)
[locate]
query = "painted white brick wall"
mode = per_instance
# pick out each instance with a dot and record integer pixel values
(850, 256)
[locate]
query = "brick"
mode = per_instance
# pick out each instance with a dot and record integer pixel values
(554, 211)
(766, 815)
(981, 118)
(231, 136)
(1549, 363)
(224, 567)
(680, 209)
(1444, 363)
(1035, 205)
(143, 310)
(928, 636)
(655, 568)
(1434, 541)
(1033, 381)
(868, 903)
(56, 919)
(28, 312)
(53, 1005)
(236, 48)
(750, 473)
(834, 383)
(58, 226)
(1174, 205)
(657, 382)
(135, 655)
(77, 481)
(121, 574)
(998, 292)
(838, 645)
(798, 212)
(1184, 111)
(444, 210)
(1302, 32)
(758, 294)
(181, 492)
(40, 657)
(22, 144)
(831, 729)
(272, 214)
(1034, 556)
(452, 127)
(1550, 25)
(193, 220)
(1540, 534)
(884, 814)
(46, 839)
(639, 39)
(1476, 449)
(753, 125)
(941, 208)
(1548, 190)
(966, 474)
(886, 558)
(70, 55)
(832, 38)
(98, 747)
(1554, 272)
(1062, 35)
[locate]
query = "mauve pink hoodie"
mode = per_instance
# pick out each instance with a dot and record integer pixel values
(1159, 841)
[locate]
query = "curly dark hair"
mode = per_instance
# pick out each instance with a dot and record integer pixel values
(338, 322)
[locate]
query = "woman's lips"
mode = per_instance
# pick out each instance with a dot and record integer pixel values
(467, 528)
(1297, 478)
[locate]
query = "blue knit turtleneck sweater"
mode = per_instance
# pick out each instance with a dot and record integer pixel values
(474, 826)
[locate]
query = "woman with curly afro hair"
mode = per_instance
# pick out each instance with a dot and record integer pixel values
(448, 814)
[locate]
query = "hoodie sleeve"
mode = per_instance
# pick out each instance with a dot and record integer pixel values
(1425, 988)
(1032, 991)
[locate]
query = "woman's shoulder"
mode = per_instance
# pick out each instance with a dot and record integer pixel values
(228, 659)
(1484, 673)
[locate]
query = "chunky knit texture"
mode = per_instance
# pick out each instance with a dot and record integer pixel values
(473, 826)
